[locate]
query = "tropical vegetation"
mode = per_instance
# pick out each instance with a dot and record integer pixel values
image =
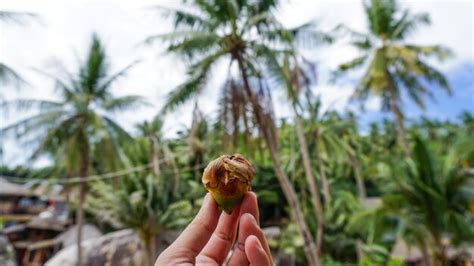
(341, 193)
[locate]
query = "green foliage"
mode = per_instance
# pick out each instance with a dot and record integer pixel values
(378, 193)
(140, 203)
(427, 197)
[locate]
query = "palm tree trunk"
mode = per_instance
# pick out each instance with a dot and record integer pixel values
(170, 158)
(439, 252)
(322, 174)
(155, 156)
(426, 256)
(359, 250)
(260, 147)
(248, 136)
(324, 181)
(67, 188)
(316, 202)
(358, 177)
(309, 244)
(83, 172)
(153, 248)
(265, 127)
(149, 245)
(397, 114)
(146, 247)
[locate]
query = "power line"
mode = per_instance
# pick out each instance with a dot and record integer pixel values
(119, 173)
(107, 175)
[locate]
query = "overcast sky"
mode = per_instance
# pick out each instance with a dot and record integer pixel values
(65, 28)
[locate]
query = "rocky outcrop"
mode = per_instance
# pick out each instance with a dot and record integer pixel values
(117, 248)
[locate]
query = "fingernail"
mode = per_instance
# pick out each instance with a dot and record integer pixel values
(252, 219)
(258, 242)
(205, 201)
(259, 245)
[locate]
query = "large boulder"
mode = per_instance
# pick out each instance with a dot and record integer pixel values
(117, 248)
(69, 237)
(5, 248)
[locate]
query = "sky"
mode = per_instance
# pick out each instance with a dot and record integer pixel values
(64, 30)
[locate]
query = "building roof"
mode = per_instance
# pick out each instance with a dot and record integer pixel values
(49, 223)
(12, 189)
(412, 253)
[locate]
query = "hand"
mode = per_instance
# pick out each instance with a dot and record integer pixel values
(209, 237)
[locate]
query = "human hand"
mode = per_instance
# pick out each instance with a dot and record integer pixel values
(208, 239)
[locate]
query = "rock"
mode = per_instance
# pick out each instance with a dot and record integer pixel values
(69, 237)
(117, 248)
(5, 249)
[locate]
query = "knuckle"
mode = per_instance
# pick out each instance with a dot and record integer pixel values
(202, 225)
(223, 236)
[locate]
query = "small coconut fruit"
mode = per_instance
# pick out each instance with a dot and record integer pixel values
(227, 178)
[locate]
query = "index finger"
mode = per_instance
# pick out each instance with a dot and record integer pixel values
(191, 241)
(249, 205)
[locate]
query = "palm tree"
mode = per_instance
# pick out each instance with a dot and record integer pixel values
(160, 152)
(394, 67)
(295, 75)
(239, 32)
(145, 201)
(354, 142)
(325, 143)
(7, 74)
(79, 125)
(234, 112)
(430, 196)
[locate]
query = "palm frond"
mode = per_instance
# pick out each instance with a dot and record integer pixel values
(22, 105)
(34, 124)
(191, 44)
(123, 103)
(437, 51)
(199, 73)
(187, 18)
(114, 77)
(407, 24)
(95, 67)
(307, 35)
(19, 18)
(352, 64)
(115, 130)
(8, 76)
(66, 90)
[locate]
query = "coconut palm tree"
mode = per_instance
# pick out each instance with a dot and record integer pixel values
(295, 75)
(234, 114)
(353, 139)
(239, 32)
(79, 127)
(392, 66)
(429, 195)
(326, 142)
(160, 152)
(145, 201)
